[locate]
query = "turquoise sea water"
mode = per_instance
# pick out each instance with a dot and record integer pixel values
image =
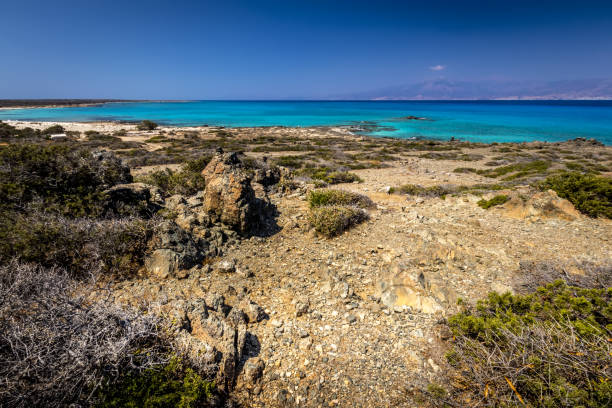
(478, 121)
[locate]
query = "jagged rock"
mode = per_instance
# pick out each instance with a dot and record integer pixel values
(253, 370)
(267, 176)
(406, 288)
(173, 249)
(229, 197)
(254, 312)
(134, 199)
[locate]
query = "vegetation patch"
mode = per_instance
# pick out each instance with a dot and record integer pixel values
(82, 246)
(518, 170)
(432, 191)
(147, 125)
(547, 349)
(332, 220)
(324, 197)
(497, 200)
(171, 385)
(329, 175)
(590, 194)
(186, 181)
(58, 178)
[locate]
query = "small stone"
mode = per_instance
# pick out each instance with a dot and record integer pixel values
(226, 266)
(351, 319)
(301, 309)
(276, 323)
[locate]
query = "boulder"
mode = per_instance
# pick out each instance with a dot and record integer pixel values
(405, 287)
(172, 250)
(229, 197)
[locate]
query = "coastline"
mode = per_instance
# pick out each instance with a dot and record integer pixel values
(346, 130)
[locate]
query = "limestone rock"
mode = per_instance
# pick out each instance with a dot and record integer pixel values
(173, 249)
(407, 288)
(229, 197)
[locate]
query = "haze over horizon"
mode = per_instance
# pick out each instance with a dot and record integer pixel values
(306, 50)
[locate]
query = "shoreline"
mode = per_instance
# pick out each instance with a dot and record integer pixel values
(347, 130)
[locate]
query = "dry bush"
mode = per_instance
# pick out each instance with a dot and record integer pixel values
(532, 274)
(57, 348)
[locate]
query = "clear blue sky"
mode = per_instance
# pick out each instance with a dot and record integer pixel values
(283, 49)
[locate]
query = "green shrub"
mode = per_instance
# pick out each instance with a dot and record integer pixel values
(172, 385)
(329, 176)
(294, 162)
(318, 198)
(81, 246)
(519, 170)
(11, 132)
(147, 125)
(497, 200)
(62, 179)
(186, 181)
(432, 191)
(547, 349)
(332, 220)
(55, 129)
(591, 195)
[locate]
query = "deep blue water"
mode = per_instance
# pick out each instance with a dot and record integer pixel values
(478, 121)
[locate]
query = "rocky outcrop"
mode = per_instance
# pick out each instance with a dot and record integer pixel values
(229, 197)
(406, 287)
(173, 250)
(219, 334)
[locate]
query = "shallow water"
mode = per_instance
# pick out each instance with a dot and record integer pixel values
(477, 121)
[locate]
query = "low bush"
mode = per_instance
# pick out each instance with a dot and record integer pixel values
(329, 176)
(591, 195)
(497, 200)
(332, 220)
(323, 197)
(147, 125)
(171, 385)
(83, 246)
(294, 162)
(547, 349)
(432, 191)
(518, 170)
(55, 129)
(61, 179)
(186, 181)
(11, 132)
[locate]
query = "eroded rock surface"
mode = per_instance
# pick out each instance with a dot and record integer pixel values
(229, 197)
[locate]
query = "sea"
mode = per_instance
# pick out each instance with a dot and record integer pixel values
(475, 121)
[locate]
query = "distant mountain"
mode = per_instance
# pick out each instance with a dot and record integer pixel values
(511, 90)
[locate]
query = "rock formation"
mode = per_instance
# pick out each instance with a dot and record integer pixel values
(229, 197)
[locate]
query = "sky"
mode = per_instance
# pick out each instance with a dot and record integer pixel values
(261, 49)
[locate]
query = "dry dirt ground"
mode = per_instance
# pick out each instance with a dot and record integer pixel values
(334, 336)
